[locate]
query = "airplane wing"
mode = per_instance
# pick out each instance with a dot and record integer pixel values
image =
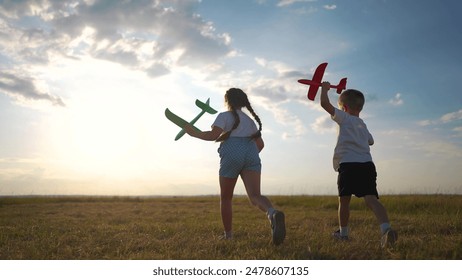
(317, 78)
(305, 82)
(205, 106)
(178, 121)
(175, 119)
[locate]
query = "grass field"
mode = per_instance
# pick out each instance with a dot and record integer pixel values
(98, 228)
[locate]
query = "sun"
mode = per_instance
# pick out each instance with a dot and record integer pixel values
(104, 134)
(105, 118)
(113, 128)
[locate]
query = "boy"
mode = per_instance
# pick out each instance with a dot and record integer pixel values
(353, 162)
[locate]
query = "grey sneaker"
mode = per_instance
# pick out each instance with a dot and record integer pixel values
(336, 235)
(226, 236)
(278, 227)
(389, 238)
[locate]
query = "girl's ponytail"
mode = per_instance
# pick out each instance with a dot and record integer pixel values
(257, 118)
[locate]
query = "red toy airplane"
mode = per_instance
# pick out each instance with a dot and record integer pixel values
(315, 83)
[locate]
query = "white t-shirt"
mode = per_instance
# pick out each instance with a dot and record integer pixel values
(353, 139)
(246, 127)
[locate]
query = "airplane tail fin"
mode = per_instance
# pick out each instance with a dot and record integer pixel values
(205, 106)
(341, 85)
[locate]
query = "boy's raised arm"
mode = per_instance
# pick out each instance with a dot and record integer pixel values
(325, 102)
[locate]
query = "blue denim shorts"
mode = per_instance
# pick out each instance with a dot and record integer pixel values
(238, 154)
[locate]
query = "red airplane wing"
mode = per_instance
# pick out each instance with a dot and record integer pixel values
(312, 92)
(307, 82)
(317, 79)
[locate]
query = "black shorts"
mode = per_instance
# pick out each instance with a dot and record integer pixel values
(357, 178)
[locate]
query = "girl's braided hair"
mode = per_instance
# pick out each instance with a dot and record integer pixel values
(235, 99)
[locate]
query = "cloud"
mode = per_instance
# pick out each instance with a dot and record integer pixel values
(295, 128)
(397, 100)
(271, 91)
(279, 89)
(323, 124)
(451, 117)
(157, 70)
(151, 36)
(273, 95)
(424, 144)
(425, 123)
(278, 84)
(274, 92)
(283, 3)
(446, 118)
(27, 88)
(330, 7)
(305, 10)
(440, 148)
(275, 66)
(457, 131)
(168, 29)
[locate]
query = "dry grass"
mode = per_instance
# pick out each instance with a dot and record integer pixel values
(50, 228)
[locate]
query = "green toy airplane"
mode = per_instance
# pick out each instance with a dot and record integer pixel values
(182, 123)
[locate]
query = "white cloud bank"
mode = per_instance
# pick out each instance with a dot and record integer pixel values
(150, 36)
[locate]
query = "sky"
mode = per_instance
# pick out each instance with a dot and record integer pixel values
(84, 85)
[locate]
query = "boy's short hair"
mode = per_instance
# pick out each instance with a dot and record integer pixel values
(353, 98)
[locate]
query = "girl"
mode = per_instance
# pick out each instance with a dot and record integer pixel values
(239, 150)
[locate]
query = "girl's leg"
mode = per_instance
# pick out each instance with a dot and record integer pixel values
(252, 181)
(226, 196)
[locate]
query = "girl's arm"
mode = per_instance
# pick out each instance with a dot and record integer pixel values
(211, 135)
(260, 143)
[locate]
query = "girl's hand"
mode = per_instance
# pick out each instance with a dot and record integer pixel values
(189, 129)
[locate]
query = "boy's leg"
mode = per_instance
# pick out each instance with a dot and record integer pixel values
(379, 210)
(226, 196)
(344, 214)
(389, 236)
